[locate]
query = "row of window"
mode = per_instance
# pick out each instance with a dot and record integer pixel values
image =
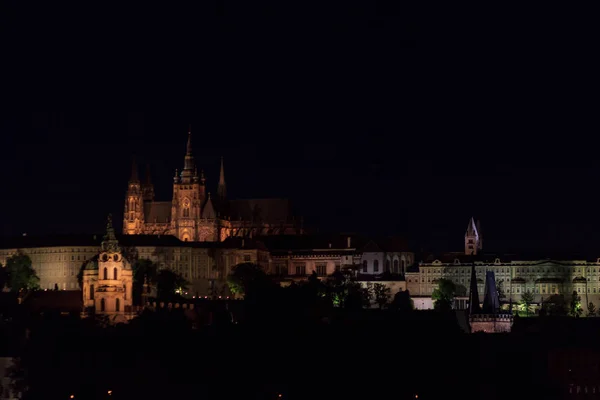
(395, 269)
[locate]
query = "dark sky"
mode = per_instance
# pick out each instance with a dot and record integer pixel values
(345, 112)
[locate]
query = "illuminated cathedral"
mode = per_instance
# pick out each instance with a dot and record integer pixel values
(194, 215)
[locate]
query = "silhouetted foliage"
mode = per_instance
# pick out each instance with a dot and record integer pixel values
(443, 295)
(21, 274)
(402, 302)
(575, 308)
(248, 279)
(382, 294)
(526, 301)
(170, 284)
(555, 305)
(591, 309)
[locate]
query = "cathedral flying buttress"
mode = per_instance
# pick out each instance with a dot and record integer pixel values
(194, 215)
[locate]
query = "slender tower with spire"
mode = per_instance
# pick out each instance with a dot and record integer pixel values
(188, 197)
(222, 189)
(133, 215)
(148, 187)
(473, 240)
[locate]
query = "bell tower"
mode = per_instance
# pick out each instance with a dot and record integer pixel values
(473, 239)
(108, 282)
(133, 215)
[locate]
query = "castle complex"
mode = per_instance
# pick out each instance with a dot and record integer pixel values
(514, 274)
(194, 215)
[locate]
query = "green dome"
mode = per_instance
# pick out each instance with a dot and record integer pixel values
(91, 264)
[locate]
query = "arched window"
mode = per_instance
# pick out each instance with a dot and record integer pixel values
(403, 266)
(91, 292)
(105, 273)
(376, 266)
(115, 273)
(365, 266)
(387, 265)
(396, 269)
(118, 305)
(102, 305)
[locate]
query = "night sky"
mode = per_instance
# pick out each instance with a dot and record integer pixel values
(360, 128)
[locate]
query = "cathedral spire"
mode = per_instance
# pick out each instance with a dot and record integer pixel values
(134, 171)
(222, 189)
(474, 307)
(188, 166)
(189, 142)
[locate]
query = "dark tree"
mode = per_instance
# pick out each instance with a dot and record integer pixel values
(144, 271)
(443, 295)
(21, 274)
(382, 294)
(170, 285)
(575, 305)
(402, 302)
(247, 278)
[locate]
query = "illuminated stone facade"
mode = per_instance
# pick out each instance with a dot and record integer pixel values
(514, 274)
(196, 216)
(108, 282)
(58, 259)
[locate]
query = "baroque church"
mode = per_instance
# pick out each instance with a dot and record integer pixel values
(194, 215)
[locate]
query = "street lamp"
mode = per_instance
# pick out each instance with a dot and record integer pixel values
(110, 392)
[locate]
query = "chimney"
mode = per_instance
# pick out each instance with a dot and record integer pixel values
(329, 245)
(348, 240)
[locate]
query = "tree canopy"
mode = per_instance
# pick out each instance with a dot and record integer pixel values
(443, 295)
(20, 273)
(170, 284)
(247, 278)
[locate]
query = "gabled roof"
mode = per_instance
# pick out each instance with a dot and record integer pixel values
(386, 244)
(157, 211)
(208, 210)
(266, 210)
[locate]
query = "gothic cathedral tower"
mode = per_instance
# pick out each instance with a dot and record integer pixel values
(133, 217)
(189, 194)
(108, 283)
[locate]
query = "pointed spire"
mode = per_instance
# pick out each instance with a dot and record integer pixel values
(189, 142)
(474, 307)
(208, 211)
(188, 166)
(471, 228)
(222, 189)
(491, 302)
(109, 243)
(202, 178)
(134, 171)
(148, 175)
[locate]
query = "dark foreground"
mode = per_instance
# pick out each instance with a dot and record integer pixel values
(362, 355)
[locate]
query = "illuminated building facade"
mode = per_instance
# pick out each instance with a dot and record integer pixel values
(514, 274)
(194, 215)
